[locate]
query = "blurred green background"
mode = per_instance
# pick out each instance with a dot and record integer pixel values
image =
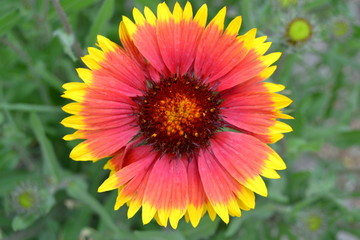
(45, 195)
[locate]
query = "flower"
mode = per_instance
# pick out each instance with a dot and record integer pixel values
(30, 198)
(341, 28)
(298, 31)
(287, 3)
(184, 113)
(311, 223)
(26, 198)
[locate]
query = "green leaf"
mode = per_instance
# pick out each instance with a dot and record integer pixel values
(311, 5)
(276, 191)
(297, 185)
(346, 139)
(205, 229)
(29, 107)
(103, 16)
(286, 70)
(67, 41)
(51, 164)
(151, 4)
(301, 145)
(21, 222)
(77, 189)
(321, 183)
(246, 7)
(72, 6)
(234, 226)
(48, 201)
(79, 218)
(9, 20)
(48, 77)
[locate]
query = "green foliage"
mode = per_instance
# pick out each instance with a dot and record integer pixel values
(102, 17)
(317, 196)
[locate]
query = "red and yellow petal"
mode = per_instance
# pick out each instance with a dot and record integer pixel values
(177, 38)
(252, 65)
(166, 192)
(234, 176)
(74, 91)
(119, 72)
(141, 158)
(218, 52)
(225, 195)
(131, 180)
(254, 108)
(106, 127)
(232, 149)
(246, 157)
(172, 38)
(116, 162)
(148, 47)
(102, 143)
(197, 197)
(111, 68)
(103, 113)
(130, 48)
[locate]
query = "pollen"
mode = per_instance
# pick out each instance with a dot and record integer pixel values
(181, 117)
(177, 111)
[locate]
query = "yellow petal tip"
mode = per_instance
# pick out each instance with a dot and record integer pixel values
(109, 184)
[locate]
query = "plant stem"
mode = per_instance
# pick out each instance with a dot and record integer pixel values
(68, 29)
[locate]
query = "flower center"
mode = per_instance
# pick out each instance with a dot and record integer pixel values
(26, 199)
(178, 115)
(314, 223)
(340, 28)
(299, 30)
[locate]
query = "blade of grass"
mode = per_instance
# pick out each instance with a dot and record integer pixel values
(9, 20)
(284, 74)
(51, 164)
(346, 138)
(48, 77)
(72, 6)
(333, 95)
(76, 190)
(247, 9)
(24, 107)
(103, 16)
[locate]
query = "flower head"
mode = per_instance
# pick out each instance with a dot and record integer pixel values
(310, 224)
(287, 3)
(298, 31)
(27, 198)
(341, 28)
(184, 113)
